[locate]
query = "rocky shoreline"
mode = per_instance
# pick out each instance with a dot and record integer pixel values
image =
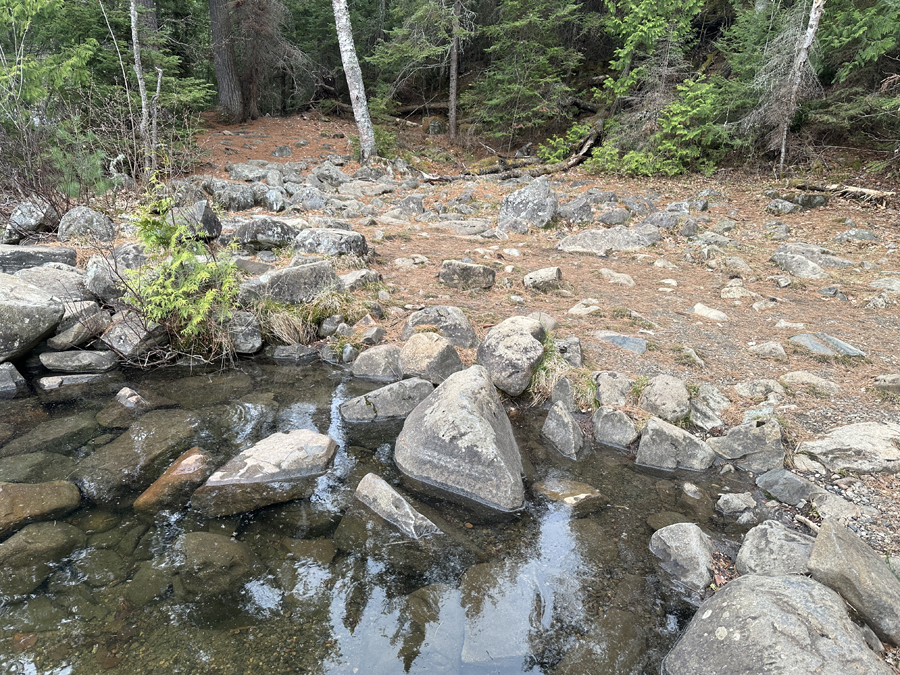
(65, 329)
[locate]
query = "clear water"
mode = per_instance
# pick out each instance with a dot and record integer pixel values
(544, 593)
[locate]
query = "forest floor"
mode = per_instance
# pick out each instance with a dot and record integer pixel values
(652, 308)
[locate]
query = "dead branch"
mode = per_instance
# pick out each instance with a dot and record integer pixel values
(848, 191)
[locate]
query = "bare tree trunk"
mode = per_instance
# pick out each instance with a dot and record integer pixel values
(230, 101)
(154, 102)
(815, 13)
(454, 71)
(354, 81)
(142, 88)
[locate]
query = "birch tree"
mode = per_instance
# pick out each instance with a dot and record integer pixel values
(353, 74)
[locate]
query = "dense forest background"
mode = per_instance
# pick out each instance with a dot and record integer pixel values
(678, 85)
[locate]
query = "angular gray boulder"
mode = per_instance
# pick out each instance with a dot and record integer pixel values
(666, 397)
(685, 552)
(449, 321)
(385, 501)
(429, 356)
(263, 233)
(104, 275)
(465, 276)
(613, 428)
(787, 625)
(82, 222)
(543, 280)
(12, 384)
(63, 281)
(324, 241)
(846, 564)
(612, 388)
(130, 336)
(27, 218)
(562, 432)
(199, 220)
(866, 447)
(618, 238)
(511, 351)
(28, 314)
(292, 285)
(458, 444)
(244, 332)
(665, 446)
(755, 446)
(787, 487)
(773, 549)
(15, 258)
(535, 204)
(277, 469)
(380, 363)
(392, 402)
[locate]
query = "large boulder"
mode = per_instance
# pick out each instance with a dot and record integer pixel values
(458, 444)
(292, 285)
(105, 276)
(511, 351)
(199, 220)
(787, 487)
(15, 258)
(21, 504)
(136, 458)
(846, 564)
(392, 402)
(665, 446)
(277, 469)
(27, 218)
(27, 315)
(207, 565)
(685, 552)
(324, 241)
(787, 625)
(232, 196)
(535, 204)
(866, 447)
(666, 397)
(429, 356)
(245, 334)
(33, 553)
(449, 321)
(755, 446)
(64, 281)
(773, 549)
(82, 222)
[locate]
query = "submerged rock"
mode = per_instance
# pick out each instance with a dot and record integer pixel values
(279, 468)
(207, 565)
(458, 443)
(33, 553)
(21, 504)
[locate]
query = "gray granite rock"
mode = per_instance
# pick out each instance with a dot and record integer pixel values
(798, 266)
(735, 503)
(612, 388)
(511, 351)
(666, 397)
(665, 446)
(632, 344)
(449, 321)
(199, 220)
(429, 356)
(277, 469)
(243, 329)
(28, 314)
(263, 233)
(63, 281)
(570, 349)
(130, 336)
(543, 280)
(292, 285)
(773, 549)
(788, 625)
(822, 257)
(535, 204)
(613, 428)
(105, 275)
(380, 363)
(392, 402)
(888, 382)
(77, 361)
(465, 276)
(866, 447)
(15, 258)
(29, 217)
(562, 432)
(386, 502)
(357, 279)
(323, 241)
(82, 222)
(616, 238)
(12, 384)
(232, 196)
(685, 552)
(787, 487)
(564, 393)
(753, 447)
(458, 444)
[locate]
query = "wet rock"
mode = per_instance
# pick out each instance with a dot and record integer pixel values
(128, 406)
(198, 219)
(543, 280)
(21, 504)
(354, 281)
(685, 552)
(380, 363)
(867, 447)
(82, 222)
(147, 584)
(393, 402)
(535, 204)
(612, 388)
(63, 436)
(136, 458)
(753, 447)
(243, 329)
(295, 354)
(562, 432)
(15, 258)
(323, 241)
(173, 489)
(279, 468)
(386, 502)
(767, 620)
(29, 314)
(616, 238)
(79, 361)
(613, 428)
(616, 644)
(207, 565)
(85, 325)
(100, 567)
(787, 487)
(64, 388)
(773, 549)
(34, 467)
(632, 344)
(429, 356)
(292, 285)
(465, 276)
(12, 384)
(130, 336)
(29, 556)
(578, 499)
(666, 397)
(458, 443)
(62, 281)
(665, 446)
(105, 275)
(511, 351)
(814, 383)
(847, 565)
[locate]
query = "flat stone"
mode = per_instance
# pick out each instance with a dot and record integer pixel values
(325, 241)
(63, 436)
(358, 279)
(392, 402)
(632, 344)
(665, 446)
(847, 565)
(578, 499)
(207, 565)
(773, 549)
(62, 281)
(585, 307)
(279, 468)
(79, 361)
(890, 285)
(449, 321)
(292, 285)
(866, 447)
(617, 277)
(798, 266)
(15, 258)
(616, 238)
(787, 487)
(768, 350)
(803, 378)
(34, 467)
(888, 382)
(130, 336)
(22, 503)
(294, 354)
(173, 489)
(759, 388)
(85, 326)
(458, 443)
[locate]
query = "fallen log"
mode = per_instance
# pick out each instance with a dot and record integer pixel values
(848, 191)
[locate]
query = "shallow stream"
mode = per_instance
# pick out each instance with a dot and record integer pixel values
(543, 593)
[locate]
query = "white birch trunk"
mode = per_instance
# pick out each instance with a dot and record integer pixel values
(142, 88)
(815, 13)
(454, 71)
(354, 81)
